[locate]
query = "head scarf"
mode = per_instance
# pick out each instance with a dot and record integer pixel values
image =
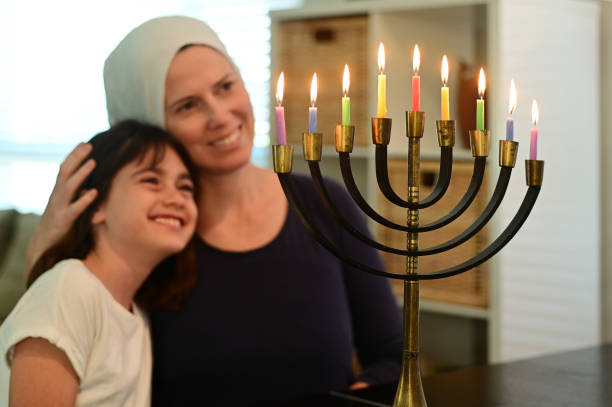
(135, 72)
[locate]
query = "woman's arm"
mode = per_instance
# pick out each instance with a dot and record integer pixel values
(41, 375)
(62, 209)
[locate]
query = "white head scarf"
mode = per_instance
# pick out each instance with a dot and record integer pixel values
(135, 72)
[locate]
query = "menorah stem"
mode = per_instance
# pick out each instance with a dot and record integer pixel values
(410, 390)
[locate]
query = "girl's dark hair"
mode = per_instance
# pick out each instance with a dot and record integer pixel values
(171, 281)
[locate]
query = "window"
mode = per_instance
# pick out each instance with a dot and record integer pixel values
(51, 88)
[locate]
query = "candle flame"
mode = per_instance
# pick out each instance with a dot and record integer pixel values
(482, 83)
(535, 113)
(381, 58)
(416, 60)
(313, 90)
(512, 103)
(346, 80)
(280, 88)
(444, 70)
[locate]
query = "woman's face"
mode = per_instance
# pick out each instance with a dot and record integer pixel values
(208, 110)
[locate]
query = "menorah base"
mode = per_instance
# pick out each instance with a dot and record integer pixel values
(410, 389)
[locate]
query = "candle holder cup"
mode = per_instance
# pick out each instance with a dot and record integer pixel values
(345, 137)
(312, 144)
(410, 392)
(381, 130)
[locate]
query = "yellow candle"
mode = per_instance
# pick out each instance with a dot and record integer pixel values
(382, 83)
(444, 91)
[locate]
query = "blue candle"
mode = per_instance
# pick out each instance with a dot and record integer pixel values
(312, 120)
(312, 110)
(510, 129)
(511, 107)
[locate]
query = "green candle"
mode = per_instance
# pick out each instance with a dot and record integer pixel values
(346, 101)
(480, 114)
(346, 111)
(480, 121)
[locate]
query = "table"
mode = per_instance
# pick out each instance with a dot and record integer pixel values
(577, 378)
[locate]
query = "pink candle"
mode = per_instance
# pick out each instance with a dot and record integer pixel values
(280, 124)
(533, 151)
(535, 115)
(416, 93)
(280, 110)
(416, 80)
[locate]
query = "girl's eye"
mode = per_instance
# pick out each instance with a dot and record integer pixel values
(186, 188)
(151, 180)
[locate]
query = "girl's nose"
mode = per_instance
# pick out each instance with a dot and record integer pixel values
(174, 197)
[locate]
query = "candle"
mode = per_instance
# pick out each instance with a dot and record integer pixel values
(280, 110)
(382, 83)
(312, 110)
(444, 91)
(346, 101)
(416, 80)
(511, 107)
(480, 124)
(535, 116)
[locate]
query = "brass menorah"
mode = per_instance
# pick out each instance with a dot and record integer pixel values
(410, 390)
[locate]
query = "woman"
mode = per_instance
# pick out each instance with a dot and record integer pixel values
(273, 315)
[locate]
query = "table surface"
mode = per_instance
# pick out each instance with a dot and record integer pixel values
(576, 378)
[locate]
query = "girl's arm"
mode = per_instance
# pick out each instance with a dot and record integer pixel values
(62, 209)
(41, 375)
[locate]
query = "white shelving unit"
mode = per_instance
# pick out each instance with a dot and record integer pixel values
(544, 286)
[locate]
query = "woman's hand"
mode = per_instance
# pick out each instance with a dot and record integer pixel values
(62, 210)
(359, 385)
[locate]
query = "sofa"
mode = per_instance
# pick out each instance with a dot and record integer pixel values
(16, 230)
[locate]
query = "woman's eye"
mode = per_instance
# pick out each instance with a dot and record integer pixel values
(186, 106)
(227, 85)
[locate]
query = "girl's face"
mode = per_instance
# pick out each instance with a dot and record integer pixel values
(148, 210)
(208, 110)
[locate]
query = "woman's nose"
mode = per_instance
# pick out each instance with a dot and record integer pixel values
(219, 112)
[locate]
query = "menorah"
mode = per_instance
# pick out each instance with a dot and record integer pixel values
(410, 390)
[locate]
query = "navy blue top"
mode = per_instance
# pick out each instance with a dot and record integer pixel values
(279, 322)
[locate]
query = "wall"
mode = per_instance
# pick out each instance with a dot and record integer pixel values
(549, 285)
(606, 169)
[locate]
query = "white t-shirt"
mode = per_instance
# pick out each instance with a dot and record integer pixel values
(108, 346)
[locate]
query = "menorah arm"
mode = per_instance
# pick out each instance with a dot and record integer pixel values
(499, 243)
(382, 176)
(481, 221)
(315, 172)
(491, 250)
(464, 203)
(287, 185)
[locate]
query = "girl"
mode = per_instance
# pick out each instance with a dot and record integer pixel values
(76, 337)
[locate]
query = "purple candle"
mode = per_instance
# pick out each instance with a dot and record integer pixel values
(280, 110)
(535, 115)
